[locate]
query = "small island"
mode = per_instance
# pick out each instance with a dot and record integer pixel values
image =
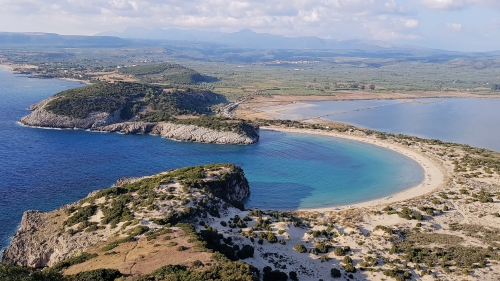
(131, 108)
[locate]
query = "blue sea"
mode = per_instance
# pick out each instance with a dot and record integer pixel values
(43, 169)
(472, 121)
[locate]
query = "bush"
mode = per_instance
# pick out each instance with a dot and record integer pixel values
(347, 260)
(349, 268)
(274, 275)
(246, 251)
(339, 251)
(96, 275)
(293, 275)
(335, 273)
(83, 257)
(16, 273)
(300, 248)
(271, 237)
(322, 248)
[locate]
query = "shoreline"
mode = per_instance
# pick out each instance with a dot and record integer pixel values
(434, 177)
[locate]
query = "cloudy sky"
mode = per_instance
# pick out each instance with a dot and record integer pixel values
(465, 25)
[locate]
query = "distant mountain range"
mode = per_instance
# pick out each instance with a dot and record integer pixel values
(246, 38)
(56, 40)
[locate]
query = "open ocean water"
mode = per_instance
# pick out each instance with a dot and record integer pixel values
(43, 169)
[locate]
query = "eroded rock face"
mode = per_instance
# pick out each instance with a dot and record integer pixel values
(43, 118)
(105, 122)
(179, 132)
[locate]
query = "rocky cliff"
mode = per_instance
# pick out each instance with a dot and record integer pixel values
(43, 118)
(180, 132)
(105, 122)
(45, 239)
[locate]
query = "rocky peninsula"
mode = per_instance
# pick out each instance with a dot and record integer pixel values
(137, 113)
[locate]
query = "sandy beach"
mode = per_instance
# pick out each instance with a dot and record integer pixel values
(434, 174)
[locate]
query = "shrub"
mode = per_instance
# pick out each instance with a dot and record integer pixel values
(338, 251)
(138, 230)
(300, 248)
(335, 273)
(347, 260)
(96, 275)
(293, 275)
(246, 251)
(349, 268)
(271, 237)
(83, 257)
(322, 248)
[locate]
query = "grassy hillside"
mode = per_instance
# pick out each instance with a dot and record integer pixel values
(131, 98)
(164, 73)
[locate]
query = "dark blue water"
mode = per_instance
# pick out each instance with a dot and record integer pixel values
(43, 169)
(460, 120)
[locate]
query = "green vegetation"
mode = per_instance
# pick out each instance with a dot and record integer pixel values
(16, 273)
(82, 215)
(95, 275)
(300, 248)
(117, 242)
(173, 74)
(227, 270)
(101, 97)
(83, 257)
(221, 124)
(335, 273)
(130, 98)
(449, 251)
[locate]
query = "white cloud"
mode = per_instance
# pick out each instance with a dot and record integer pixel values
(457, 27)
(444, 4)
(458, 4)
(411, 23)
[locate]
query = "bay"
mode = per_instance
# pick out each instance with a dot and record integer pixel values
(43, 169)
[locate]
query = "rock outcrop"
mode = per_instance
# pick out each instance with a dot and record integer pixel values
(39, 242)
(105, 122)
(43, 118)
(180, 132)
(45, 239)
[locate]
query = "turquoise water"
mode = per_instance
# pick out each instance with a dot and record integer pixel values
(43, 169)
(472, 121)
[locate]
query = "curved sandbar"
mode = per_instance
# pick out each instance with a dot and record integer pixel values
(434, 177)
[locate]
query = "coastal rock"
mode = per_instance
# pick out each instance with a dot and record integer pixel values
(43, 118)
(122, 181)
(105, 122)
(180, 132)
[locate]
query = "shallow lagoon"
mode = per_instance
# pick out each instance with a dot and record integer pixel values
(472, 121)
(43, 169)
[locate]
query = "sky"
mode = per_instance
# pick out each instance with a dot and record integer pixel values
(462, 25)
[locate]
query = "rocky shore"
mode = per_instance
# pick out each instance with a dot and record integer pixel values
(106, 122)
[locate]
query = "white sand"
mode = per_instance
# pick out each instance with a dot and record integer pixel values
(434, 176)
